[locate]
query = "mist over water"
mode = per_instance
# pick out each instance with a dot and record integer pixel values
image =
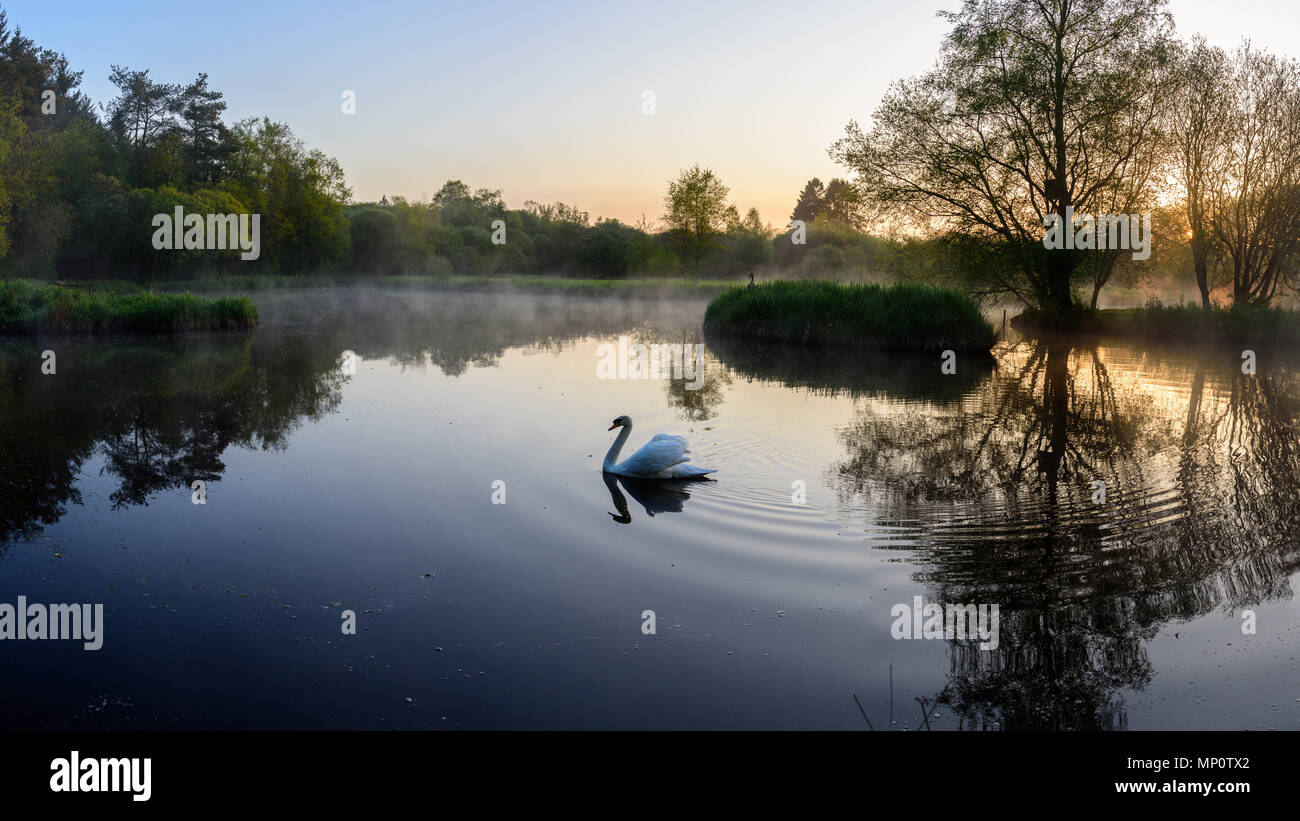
(370, 488)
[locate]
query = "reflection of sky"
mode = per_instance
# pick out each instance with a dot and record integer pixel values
(543, 100)
(536, 604)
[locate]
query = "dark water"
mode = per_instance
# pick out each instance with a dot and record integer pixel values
(372, 491)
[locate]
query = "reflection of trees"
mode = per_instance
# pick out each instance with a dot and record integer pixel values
(701, 403)
(1201, 512)
(1239, 471)
(1034, 423)
(453, 331)
(856, 372)
(161, 414)
(1058, 668)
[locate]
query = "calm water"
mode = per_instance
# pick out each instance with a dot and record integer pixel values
(372, 491)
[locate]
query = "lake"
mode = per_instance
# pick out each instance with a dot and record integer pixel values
(431, 463)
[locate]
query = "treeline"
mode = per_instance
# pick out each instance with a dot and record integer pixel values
(80, 186)
(700, 234)
(472, 232)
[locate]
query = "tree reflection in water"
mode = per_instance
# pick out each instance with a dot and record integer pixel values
(162, 413)
(995, 492)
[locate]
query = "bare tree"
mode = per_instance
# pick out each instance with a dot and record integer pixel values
(1255, 199)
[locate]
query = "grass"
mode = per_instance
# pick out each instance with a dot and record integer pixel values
(569, 286)
(29, 307)
(1182, 322)
(246, 282)
(902, 316)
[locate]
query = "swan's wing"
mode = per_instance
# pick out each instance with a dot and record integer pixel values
(657, 455)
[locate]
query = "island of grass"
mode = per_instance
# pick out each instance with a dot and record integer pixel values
(1156, 321)
(31, 307)
(902, 316)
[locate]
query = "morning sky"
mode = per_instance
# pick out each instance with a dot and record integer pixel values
(544, 100)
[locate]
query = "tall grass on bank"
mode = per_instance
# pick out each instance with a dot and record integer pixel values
(566, 286)
(902, 316)
(1181, 323)
(27, 307)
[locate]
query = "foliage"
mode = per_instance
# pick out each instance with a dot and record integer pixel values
(32, 308)
(898, 316)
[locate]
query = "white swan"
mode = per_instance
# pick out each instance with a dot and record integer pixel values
(663, 457)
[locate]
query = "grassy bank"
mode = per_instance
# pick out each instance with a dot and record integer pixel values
(902, 316)
(566, 285)
(27, 307)
(572, 286)
(1181, 323)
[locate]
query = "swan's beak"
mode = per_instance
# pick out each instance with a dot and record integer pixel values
(611, 427)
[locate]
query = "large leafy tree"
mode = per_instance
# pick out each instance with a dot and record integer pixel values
(300, 194)
(1198, 120)
(697, 212)
(1034, 107)
(842, 203)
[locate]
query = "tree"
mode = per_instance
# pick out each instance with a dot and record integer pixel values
(557, 212)
(300, 194)
(643, 246)
(811, 200)
(11, 129)
(457, 205)
(1199, 119)
(607, 249)
(22, 70)
(697, 211)
(842, 203)
(207, 140)
(748, 244)
(1034, 108)
(141, 116)
(144, 110)
(1255, 199)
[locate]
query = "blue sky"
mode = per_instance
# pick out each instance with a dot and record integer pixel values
(543, 100)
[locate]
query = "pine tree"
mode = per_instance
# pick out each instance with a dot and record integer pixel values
(811, 201)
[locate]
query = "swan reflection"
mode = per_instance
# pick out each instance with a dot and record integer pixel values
(655, 495)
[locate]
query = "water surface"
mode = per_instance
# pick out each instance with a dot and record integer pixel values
(367, 482)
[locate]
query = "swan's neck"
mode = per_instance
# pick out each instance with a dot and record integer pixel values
(612, 457)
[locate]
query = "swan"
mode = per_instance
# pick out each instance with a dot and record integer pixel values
(663, 457)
